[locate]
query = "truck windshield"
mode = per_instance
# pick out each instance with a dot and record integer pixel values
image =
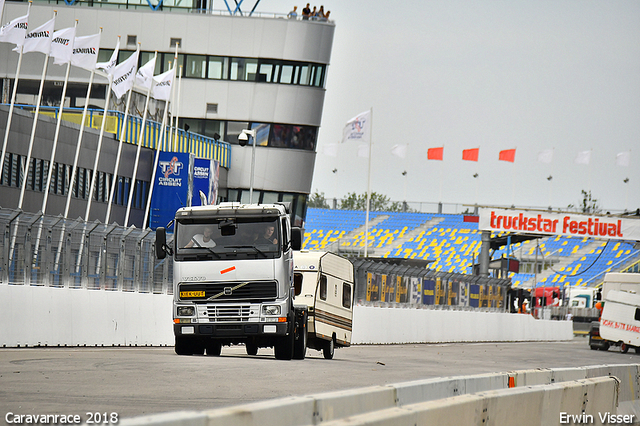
(221, 238)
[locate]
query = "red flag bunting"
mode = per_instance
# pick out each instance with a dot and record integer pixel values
(470, 154)
(435, 153)
(508, 155)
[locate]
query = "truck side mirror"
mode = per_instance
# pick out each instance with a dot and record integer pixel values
(161, 242)
(296, 238)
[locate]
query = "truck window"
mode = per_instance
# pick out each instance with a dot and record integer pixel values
(221, 237)
(323, 287)
(346, 295)
(637, 317)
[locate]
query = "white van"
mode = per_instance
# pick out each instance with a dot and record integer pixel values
(324, 282)
(620, 321)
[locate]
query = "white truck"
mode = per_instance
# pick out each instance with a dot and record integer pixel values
(233, 279)
(324, 283)
(619, 323)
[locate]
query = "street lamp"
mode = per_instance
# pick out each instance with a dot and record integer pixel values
(243, 139)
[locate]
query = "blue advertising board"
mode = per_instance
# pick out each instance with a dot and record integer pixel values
(205, 172)
(171, 188)
(429, 288)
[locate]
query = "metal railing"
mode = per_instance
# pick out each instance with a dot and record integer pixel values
(184, 141)
(52, 251)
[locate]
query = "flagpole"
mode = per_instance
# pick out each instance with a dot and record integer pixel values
(33, 127)
(135, 163)
(160, 140)
(175, 143)
(13, 101)
(366, 221)
(79, 142)
(115, 169)
(57, 133)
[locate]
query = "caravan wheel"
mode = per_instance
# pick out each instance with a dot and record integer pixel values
(328, 349)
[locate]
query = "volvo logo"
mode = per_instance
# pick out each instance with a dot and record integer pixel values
(228, 291)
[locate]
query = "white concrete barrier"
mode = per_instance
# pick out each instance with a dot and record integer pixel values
(539, 398)
(374, 325)
(46, 316)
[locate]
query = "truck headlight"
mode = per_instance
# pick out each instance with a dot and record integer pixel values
(185, 311)
(271, 310)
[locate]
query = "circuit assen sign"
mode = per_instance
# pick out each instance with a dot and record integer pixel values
(503, 220)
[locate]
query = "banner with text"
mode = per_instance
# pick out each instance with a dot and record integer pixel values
(575, 225)
(171, 188)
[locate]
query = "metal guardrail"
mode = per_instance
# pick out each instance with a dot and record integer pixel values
(184, 141)
(52, 251)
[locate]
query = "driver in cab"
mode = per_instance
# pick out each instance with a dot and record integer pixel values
(202, 240)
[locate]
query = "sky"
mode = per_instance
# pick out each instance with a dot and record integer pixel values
(494, 75)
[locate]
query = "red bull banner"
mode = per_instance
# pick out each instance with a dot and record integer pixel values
(569, 224)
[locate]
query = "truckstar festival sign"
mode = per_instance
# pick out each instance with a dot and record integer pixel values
(574, 225)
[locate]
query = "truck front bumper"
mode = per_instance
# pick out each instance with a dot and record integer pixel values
(232, 330)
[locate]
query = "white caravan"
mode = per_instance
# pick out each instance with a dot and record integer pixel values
(324, 282)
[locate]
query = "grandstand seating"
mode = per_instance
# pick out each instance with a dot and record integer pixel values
(452, 244)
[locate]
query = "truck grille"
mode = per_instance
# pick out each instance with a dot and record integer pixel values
(251, 291)
(228, 313)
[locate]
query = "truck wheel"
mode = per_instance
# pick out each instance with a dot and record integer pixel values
(183, 346)
(284, 347)
(328, 349)
(624, 348)
(252, 348)
(214, 348)
(593, 348)
(300, 343)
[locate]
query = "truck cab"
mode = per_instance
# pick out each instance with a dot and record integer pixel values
(233, 279)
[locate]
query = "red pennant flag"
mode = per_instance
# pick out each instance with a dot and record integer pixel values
(508, 155)
(470, 154)
(435, 153)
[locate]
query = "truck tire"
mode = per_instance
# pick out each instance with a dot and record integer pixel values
(300, 342)
(183, 346)
(213, 347)
(329, 349)
(252, 348)
(284, 347)
(605, 346)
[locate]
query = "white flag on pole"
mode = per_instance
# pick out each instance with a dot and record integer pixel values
(399, 150)
(15, 31)
(85, 51)
(144, 76)
(110, 65)
(62, 45)
(39, 40)
(162, 85)
(583, 157)
(623, 159)
(357, 128)
(124, 75)
(546, 156)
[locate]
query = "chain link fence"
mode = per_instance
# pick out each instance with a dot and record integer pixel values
(52, 251)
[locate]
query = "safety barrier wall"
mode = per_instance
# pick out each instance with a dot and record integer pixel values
(529, 397)
(79, 317)
(396, 325)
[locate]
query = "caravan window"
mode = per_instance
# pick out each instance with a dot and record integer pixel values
(323, 287)
(297, 283)
(346, 295)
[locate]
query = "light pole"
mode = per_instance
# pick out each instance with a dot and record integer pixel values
(243, 138)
